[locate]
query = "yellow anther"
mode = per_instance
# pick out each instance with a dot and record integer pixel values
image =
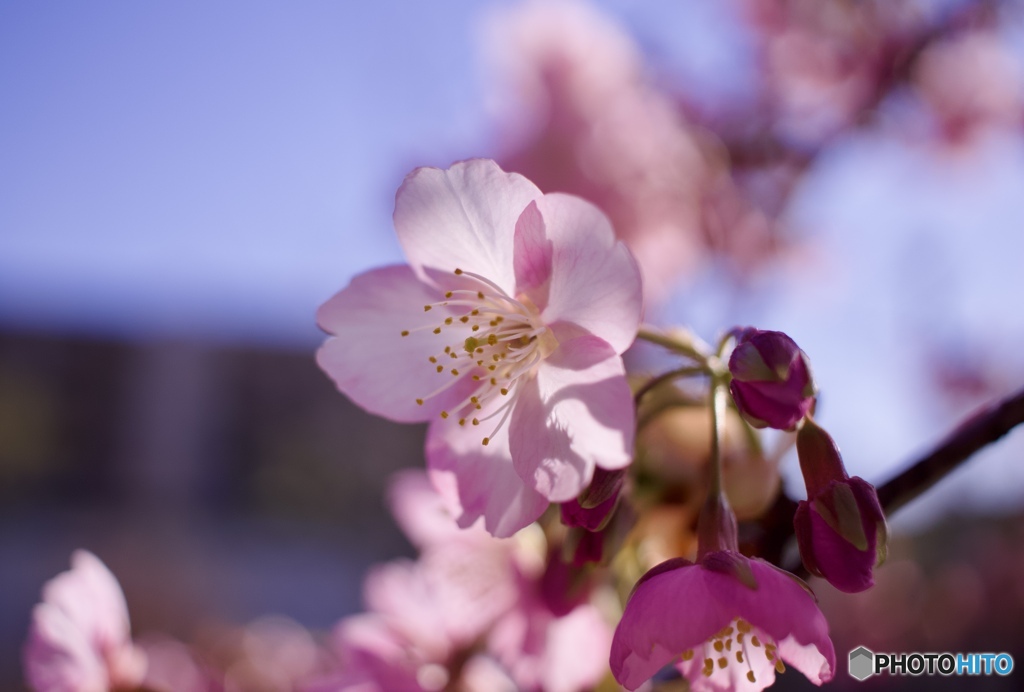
(719, 647)
(479, 350)
(743, 626)
(739, 637)
(454, 355)
(476, 422)
(476, 327)
(447, 320)
(780, 666)
(448, 294)
(437, 331)
(480, 295)
(476, 378)
(755, 641)
(473, 399)
(405, 332)
(458, 272)
(447, 349)
(419, 402)
(426, 308)
(504, 391)
(492, 339)
(464, 319)
(492, 368)
(474, 313)
(770, 655)
(455, 372)
(432, 359)
(739, 656)
(687, 655)
(462, 421)
(486, 440)
(494, 381)
(440, 368)
(444, 414)
(750, 676)
(496, 358)
(728, 645)
(723, 662)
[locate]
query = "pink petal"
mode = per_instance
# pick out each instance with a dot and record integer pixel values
(576, 413)
(462, 218)
(667, 614)
(784, 609)
(370, 361)
(595, 282)
(420, 510)
(92, 599)
(59, 656)
(533, 253)
(487, 483)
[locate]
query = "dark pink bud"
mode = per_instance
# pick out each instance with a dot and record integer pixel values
(842, 534)
(771, 379)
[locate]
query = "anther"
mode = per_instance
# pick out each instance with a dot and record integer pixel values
(486, 440)
(687, 655)
(723, 662)
(780, 666)
(750, 676)
(458, 272)
(447, 320)
(437, 331)
(455, 372)
(440, 368)
(426, 308)
(448, 294)
(464, 319)
(504, 392)
(476, 422)
(432, 359)
(419, 402)
(739, 657)
(462, 421)
(444, 414)
(755, 641)
(405, 332)
(719, 646)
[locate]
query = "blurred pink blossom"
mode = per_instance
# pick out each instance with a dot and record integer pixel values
(513, 312)
(730, 621)
(79, 639)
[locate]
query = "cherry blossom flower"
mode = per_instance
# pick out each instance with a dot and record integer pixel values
(730, 623)
(505, 331)
(79, 640)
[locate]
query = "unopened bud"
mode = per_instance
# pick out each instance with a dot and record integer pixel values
(771, 379)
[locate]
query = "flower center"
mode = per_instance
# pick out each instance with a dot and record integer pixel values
(490, 337)
(734, 645)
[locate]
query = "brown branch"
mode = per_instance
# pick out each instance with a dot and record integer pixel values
(980, 430)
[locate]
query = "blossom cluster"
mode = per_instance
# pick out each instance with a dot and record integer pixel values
(577, 523)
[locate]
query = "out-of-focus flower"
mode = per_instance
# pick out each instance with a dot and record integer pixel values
(172, 667)
(771, 379)
(730, 621)
(971, 82)
(80, 639)
(840, 528)
(580, 116)
(505, 331)
(676, 447)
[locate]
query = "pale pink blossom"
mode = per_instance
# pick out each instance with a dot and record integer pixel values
(505, 331)
(79, 639)
(729, 622)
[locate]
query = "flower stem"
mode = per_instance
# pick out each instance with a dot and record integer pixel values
(678, 373)
(683, 343)
(716, 527)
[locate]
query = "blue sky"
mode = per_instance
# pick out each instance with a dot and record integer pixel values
(218, 170)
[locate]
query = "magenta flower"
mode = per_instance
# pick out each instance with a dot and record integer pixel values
(505, 332)
(728, 622)
(79, 639)
(840, 528)
(771, 379)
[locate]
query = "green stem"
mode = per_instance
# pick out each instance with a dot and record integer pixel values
(678, 373)
(691, 348)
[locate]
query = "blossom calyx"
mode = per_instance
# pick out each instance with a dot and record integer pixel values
(840, 528)
(771, 383)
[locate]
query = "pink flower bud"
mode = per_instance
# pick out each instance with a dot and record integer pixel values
(771, 379)
(840, 528)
